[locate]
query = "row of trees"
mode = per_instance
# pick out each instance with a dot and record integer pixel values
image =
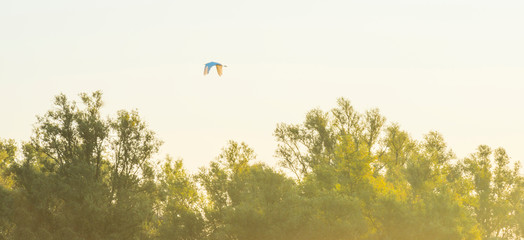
(348, 176)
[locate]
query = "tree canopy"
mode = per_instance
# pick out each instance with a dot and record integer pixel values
(343, 175)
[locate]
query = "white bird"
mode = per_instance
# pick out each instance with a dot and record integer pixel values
(209, 65)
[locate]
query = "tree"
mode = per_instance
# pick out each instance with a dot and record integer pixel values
(8, 152)
(131, 175)
(250, 201)
(394, 187)
(497, 193)
(179, 215)
(83, 176)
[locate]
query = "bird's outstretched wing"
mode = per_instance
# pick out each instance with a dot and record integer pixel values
(206, 70)
(219, 69)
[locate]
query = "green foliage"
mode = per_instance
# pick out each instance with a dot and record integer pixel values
(496, 196)
(178, 204)
(82, 176)
(8, 152)
(402, 188)
(77, 181)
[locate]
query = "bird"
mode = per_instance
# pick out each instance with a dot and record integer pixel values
(209, 65)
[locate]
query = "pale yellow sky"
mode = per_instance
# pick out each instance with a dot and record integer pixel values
(452, 66)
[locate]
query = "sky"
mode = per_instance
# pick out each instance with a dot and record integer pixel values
(453, 66)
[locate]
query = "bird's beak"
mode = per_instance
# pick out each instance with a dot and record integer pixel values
(225, 65)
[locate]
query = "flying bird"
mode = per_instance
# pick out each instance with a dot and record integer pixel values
(209, 65)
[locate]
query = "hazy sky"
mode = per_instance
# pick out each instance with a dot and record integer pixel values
(455, 66)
